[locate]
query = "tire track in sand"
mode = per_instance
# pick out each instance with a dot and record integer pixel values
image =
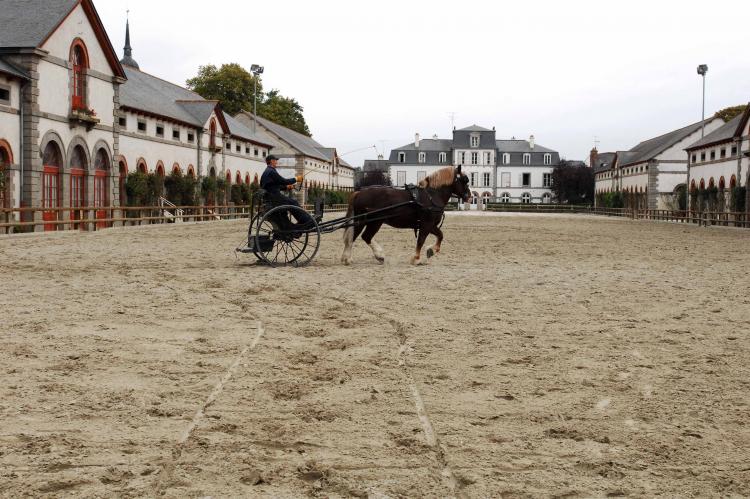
(446, 474)
(164, 477)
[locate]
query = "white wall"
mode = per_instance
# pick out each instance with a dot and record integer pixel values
(411, 172)
(75, 26)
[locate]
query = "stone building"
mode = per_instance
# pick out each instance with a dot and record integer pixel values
(718, 163)
(509, 170)
(75, 120)
(652, 171)
(321, 166)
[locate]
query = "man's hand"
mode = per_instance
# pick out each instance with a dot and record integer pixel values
(299, 179)
(290, 187)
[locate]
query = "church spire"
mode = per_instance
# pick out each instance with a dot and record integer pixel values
(128, 59)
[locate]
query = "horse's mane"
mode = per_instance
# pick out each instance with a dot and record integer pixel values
(440, 178)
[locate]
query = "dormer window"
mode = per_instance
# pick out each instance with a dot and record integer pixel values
(547, 159)
(422, 157)
(527, 159)
(402, 157)
(475, 141)
(443, 157)
(506, 158)
(80, 62)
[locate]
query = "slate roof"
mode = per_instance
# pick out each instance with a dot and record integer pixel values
(304, 144)
(237, 129)
(10, 69)
(148, 93)
(27, 23)
(442, 145)
(474, 128)
(604, 161)
(649, 149)
(519, 146)
(728, 131)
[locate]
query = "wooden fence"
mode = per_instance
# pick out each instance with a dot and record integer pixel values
(90, 218)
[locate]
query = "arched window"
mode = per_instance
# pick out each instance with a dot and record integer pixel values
(692, 185)
(176, 169)
(238, 179)
(142, 167)
(212, 172)
(101, 191)
(247, 179)
(212, 131)
(6, 159)
(702, 185)
(255, 179)
(123, 180)
(722, 184)
(160, 169)
(229, 177)
(711, 183)
(733, 182)
(52, 162)
(80, 61)
(526, 198)
(191, 171)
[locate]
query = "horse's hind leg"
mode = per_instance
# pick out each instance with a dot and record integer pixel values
(368, 236)
(350, 235)
(417, 258)
(435, 249)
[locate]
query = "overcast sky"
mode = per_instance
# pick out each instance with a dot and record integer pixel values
(374, 73)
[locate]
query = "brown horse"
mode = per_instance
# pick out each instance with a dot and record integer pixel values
(423, 216)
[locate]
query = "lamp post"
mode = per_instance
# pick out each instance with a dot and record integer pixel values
(702, 70)
(257, 71)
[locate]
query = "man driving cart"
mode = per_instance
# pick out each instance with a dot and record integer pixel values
(273, 183)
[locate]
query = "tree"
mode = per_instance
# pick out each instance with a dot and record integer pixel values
(233, 86)
(729, 113)
(230, 84)
(283, 110)
(572, 183)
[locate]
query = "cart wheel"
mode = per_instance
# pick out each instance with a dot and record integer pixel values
(279, 243)
(251, 236)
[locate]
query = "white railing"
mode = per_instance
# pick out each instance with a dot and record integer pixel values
(178, 214)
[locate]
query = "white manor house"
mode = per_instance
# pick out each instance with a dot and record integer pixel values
(74, 119)
(510, 171)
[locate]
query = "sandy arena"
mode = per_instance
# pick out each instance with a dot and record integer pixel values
(535, 357)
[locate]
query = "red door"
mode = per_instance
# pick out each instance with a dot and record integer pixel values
(100, 198)
(50, 199)
(77, 196)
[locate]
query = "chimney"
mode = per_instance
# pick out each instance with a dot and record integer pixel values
(380, 157)
(416, 140)
(593, 158)
(434, 137)
(531, 142)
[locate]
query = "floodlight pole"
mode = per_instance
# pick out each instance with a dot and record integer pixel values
(702, 70)
(257, 71)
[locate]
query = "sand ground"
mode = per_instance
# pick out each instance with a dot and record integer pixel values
(535, 357)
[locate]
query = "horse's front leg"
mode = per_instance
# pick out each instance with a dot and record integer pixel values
(435, 249)
(417, 258)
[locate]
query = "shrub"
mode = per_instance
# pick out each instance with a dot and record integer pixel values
(738, 199)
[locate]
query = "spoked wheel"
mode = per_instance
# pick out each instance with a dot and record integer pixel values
(280, 241)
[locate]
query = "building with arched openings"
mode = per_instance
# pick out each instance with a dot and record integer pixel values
(723, 155)
(75, 119)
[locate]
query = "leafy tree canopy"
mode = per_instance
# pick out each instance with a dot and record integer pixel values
(233, 86)
(729, 113)
(573, 184)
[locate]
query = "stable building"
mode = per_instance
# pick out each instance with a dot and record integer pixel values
(718, 163)
(653, 171)
(507, 170)
(321, 166)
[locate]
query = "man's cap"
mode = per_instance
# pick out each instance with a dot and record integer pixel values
(270, 158)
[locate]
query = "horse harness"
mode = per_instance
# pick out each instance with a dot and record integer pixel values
(424, 203)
